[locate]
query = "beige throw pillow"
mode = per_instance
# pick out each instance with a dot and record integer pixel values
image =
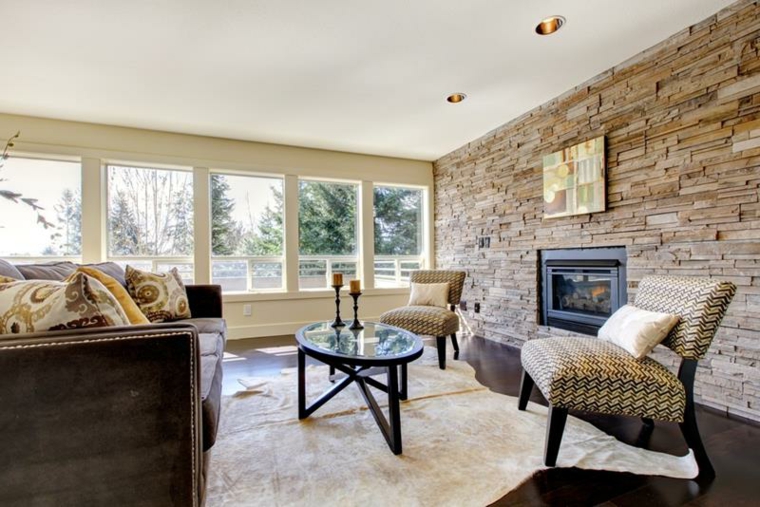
(160, 296)
(429, 294)
(637, 331)
(28, 306)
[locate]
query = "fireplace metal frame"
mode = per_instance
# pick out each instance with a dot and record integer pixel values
(579, 261)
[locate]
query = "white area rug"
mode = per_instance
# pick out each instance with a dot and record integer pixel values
(463, 445)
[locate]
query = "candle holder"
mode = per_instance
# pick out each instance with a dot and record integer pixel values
(356, 324)
(337, 322)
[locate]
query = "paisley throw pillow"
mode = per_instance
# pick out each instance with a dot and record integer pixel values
(28, 306)
(160, 296)
(132, 311)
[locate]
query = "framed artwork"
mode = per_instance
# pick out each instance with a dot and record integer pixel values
(574, 180)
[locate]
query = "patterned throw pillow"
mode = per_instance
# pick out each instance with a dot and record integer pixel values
(29, 306)
(132, 311)
(160, 296)
(7, 279)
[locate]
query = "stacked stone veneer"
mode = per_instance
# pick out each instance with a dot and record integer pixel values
(682, 122)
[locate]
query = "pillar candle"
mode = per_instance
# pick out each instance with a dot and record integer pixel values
(337, 278)
(356, 286)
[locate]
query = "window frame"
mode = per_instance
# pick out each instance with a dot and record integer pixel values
(94, 175)
(357, 257)
(52, 157)
(249, 259)
(106, 210)
(425, 221)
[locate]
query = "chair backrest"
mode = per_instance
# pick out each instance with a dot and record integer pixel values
(700, 303)
(455, 279)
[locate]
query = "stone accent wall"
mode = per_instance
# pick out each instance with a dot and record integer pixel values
(682, 122)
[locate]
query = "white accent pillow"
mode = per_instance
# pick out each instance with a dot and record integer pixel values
(429, 294)
(637, 331)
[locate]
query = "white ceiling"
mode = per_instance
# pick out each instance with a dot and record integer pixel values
(351, 75)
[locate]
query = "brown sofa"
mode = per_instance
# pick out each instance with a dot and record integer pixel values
(110, 416)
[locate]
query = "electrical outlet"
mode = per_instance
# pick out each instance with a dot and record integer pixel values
(463, 305)
(477, 307)
(247, 310)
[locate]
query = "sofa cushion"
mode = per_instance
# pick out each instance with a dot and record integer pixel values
(160, 296)
(212, 353)
(9, 270)
(49, 271)
(209, 325)
(30, 306)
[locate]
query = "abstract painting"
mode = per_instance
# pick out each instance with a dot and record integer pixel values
(574, 180)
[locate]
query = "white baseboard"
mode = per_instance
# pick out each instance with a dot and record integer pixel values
(265, 330)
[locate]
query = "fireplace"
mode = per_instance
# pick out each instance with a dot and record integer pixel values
(582, 287)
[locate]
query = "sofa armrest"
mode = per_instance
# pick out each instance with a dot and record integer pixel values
(101, 416)
(205, 300)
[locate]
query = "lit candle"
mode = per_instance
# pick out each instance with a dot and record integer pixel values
(337, 278)
(356, 286)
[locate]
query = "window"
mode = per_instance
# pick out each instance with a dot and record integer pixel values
(40, 208)
(327, 232)
(246, 233)
(150, 219)
(399, 234)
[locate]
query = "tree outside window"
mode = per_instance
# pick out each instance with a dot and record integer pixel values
(327, 232)
(41, 208)
(399, 234)
(150, 218)
(247, 232)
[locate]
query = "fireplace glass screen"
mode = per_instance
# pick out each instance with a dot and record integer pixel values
(582, 293)
(581, 288)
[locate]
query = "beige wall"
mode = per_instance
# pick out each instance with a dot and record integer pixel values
(272, 314)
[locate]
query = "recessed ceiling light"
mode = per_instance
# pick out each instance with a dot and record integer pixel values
(456, 98)
(549, 25)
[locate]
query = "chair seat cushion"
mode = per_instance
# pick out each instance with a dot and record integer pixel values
(597, 376)
(424, 320)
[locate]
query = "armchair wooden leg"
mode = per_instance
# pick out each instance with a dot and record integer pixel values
(645, 433)
(455, 344)
(440, 342)
(526, 386)
(694, 441)
(689, 425)
(555, 426)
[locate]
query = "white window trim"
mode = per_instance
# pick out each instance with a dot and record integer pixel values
(95, 223)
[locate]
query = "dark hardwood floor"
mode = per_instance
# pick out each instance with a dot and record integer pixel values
(733, 444)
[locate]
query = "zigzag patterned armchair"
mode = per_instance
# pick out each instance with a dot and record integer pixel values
(432, 320)
(589, 374)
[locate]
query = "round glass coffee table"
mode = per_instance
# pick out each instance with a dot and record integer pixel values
(359, 355)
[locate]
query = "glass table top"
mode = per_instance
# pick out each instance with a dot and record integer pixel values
(374, 341)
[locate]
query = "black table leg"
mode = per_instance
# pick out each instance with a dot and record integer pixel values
(404, 391)
(301, 384)
(394, 411)
(396, 389)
